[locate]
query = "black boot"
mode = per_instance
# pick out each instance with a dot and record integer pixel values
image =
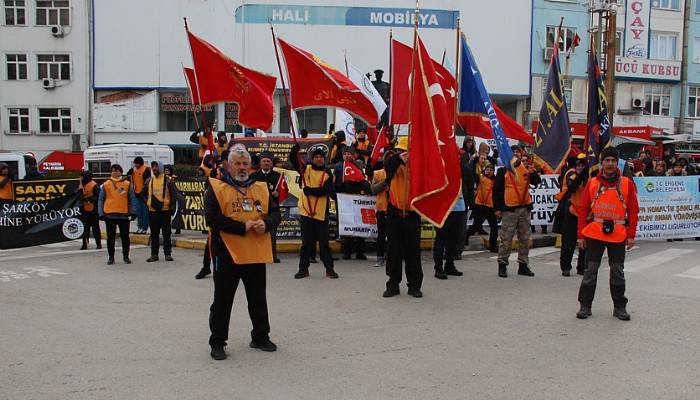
(217, 352)
(524, 270)
(503, 270)
(452, 270)
(621, 313)
(584, 312)
(154, 257)
(303, 273)
(84, 246)
(440, 273)
(203, 273)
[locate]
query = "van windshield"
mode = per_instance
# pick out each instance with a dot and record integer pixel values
(99, 167)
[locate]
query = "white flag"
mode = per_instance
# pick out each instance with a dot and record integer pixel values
(345, 122)
(362, 81)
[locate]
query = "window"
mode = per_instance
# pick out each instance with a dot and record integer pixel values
(565, 41)
(55, 66)
(566, 85)
(657, 100)
(177, 114)
(663, 46)
(16, 66)
(697, 6)
(666, 4)
(14, 12)
(694, 102)
(53, 12)
(696, 48)
(18, 120)
(54, 120)
(313, 120)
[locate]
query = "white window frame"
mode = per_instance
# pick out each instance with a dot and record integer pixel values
(666, 5)
(59, 117)
(16, 66)
(567, 86)
(694, 94)
(54, 62)
(565, 36)
(657, 91)
(11, 114)
(696, 47)
(656, 39)
(14, 9)
(47, 11)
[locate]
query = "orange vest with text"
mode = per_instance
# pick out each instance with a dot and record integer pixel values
(313, 206)
(245, 205)
(607, 203)
(398, 195)
(484, 192)
(6, 191)
(87, 192)
(382, 201)
(116, 196)
(517, 190)
(137, 178)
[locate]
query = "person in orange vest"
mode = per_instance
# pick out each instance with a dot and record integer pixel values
(608, 212)
(313, 206)
(200, 139)
(572, 185)
(380, 189)
(240, 214)
(5, 182)
(512, 203)
(402, 227)
(117, 206)
(91, 193)
(221, 144)
(138, 175)
(483, 207)
(161, 198)
(363, 148)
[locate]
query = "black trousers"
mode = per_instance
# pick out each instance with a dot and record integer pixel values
(273, 236)
(314, 231)
(123, 225)
(160, 221)
(403, 239)
(92, 222)
(381, 233)
(616, 258)
(206, 260)
(351, 243)
(226, 278)
(446, 238)
(569, 237)
(482, 214)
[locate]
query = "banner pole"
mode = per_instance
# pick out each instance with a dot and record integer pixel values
(201, 107)
(410, 99)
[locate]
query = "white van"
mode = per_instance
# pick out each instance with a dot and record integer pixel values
(99, 159)
(18, 163)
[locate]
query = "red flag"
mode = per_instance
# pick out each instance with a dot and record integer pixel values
(372, 133)
(476, 124)
(434, 172)
(194, 97)
(379, 146)
(352, 173)
(312, 82)
(282, 189)
(220, 79)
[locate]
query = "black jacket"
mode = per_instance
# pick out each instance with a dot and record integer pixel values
(361, 187)
(270, 179)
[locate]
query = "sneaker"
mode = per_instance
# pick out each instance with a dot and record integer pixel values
(218, 353)
(391, 292)
(267, 345)
(453, 271)
(524, 270)
(621, 314)
(331, 274)
(503, 270)
(415, 293)
(127, 260)
(360, 257)
(168, 257)
(584, 312)
(152, 259)
(202, 273)
(301, 274)
(440, 275)
(110, 261)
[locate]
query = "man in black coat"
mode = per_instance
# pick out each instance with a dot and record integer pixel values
(273, 180)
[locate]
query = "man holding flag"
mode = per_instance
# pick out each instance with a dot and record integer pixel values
(598, 136)
(350, 179)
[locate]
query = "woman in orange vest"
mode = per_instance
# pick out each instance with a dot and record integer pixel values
(572, 185)
(91, 193)
(5, 182)
(608, 212)
(138, 175)
(117, 206)
(483, 208)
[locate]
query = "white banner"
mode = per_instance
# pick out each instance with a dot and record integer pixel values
(637, 13)
(345, 122)
(357, 215)
(544, 204)
(669, 207)
(368, 89)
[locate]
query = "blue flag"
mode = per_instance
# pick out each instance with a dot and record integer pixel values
(474, 99)
(598, 135)
(553, 139)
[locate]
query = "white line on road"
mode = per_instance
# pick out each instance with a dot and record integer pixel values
(540, 251)
(65, 253)
(656, 259)
(471, 252)
(693, 273)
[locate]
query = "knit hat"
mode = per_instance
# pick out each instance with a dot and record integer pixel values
(609, 152)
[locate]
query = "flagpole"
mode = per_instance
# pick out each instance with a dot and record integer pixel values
(457, 76)
(410, 98)
(284, 86)
(187, 82)
(199, 99)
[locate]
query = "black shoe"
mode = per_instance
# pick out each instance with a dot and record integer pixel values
(584, 312)
(218, 353)
(503, 270)
(276, 261)
(202, 273)
(110, 261)
(579, 272)
(621, 314)
(458, 256)
(168, 257)
(99, 246)
(331, 274)
(313, 260)
(84, 246)
(566, 273)
(347, 256)
(524, 270)
(127, 260)
(453, 271)
(152, 259)
(440, 274)
(301, 274)
(360, 257)
(264, 346)
(391, 292)
(415, 293)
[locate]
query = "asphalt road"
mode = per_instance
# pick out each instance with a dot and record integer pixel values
(73, 328)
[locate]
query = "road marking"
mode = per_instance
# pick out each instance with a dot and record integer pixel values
(29, 272)
(656, 259)
(540, 251)
(693, 273)
(65, 253)
(472, 252)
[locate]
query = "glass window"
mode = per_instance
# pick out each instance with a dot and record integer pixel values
(55, 66)
(14, 12)
(567, 87)
(16, 66)
(696, 48)
(568, 36)
(55, 120)
(663, 46)
(657, 100)
(53, 12)
(694, 102)
(177, 114)
(666, 4)
(314, 120)
(18, 120)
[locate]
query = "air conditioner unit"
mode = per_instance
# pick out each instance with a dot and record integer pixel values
(57, 30)
(48, 83)
(638, 102)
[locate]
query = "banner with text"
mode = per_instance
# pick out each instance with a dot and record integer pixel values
(544, 204)
(637, 19)
(669, 207)
(357, 215)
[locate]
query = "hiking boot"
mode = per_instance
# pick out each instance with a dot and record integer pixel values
(218, 353)
(621, 314)
(202, 273)
(266, 345)
(415, 293)
(503, 270)
(453, 271)
(153, 258)
(168, 257)
(584, 312)
(302, 274)
(331, 274)
(524, 270)
(391, 292)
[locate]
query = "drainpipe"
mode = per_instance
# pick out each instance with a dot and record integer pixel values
(684, 67)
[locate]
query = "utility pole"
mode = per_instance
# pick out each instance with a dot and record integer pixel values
(611, 49)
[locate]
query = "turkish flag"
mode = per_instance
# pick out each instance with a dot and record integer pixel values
(220, 79)
(401, 61)
(352, 173)
(379, 146)
(434, 172)
(282, 189)
(312, 82)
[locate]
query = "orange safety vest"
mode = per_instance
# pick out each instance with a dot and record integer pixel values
(88, 190)
(362, 146)
(219, 148)
(313, 206)
(241, 206)
(517, 190)
(160, 192)
(6, 193)
(607, 203)
(484, 192)
(574, 199)
(137, 178)
(382, 201)
(398, 195)
(116, 196)
(203, 145)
